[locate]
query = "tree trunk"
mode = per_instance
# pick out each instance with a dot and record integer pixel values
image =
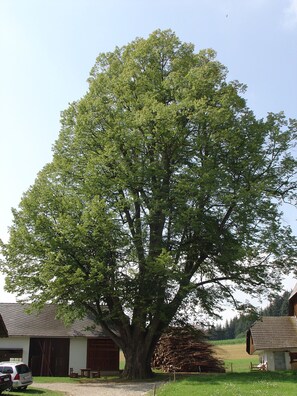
(138, 359)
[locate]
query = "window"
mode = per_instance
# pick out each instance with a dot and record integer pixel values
(6, 370)
(11, 354)
(293, 356)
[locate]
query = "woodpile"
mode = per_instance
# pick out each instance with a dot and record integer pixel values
(185, 350)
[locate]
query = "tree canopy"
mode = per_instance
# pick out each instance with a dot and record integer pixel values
(164, 192)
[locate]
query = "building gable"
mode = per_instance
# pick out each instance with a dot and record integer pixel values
(272, 332)
(293, 302)
(44, 324)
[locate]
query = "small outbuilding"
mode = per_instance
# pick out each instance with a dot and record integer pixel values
(274, 339)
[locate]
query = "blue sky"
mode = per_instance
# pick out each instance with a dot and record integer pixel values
(49, 46)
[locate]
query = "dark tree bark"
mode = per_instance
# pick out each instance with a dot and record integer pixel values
(138, 359)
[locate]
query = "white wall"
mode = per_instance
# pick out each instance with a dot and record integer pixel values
(78, 354)
(269, 358)
(17, 343)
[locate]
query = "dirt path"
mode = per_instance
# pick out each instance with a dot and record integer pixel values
(110, 389)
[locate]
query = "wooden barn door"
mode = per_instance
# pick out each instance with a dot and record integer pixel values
(49, 356)
(103, 354)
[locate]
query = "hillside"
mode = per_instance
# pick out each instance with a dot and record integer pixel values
(231, 351)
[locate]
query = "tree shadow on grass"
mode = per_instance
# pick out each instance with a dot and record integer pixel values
(246, 378)
(28, 392)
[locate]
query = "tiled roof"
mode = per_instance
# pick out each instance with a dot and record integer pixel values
(293, 292)
(3, 330)
(43, 324)
(275, 332)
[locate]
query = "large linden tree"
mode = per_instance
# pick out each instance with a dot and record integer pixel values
(163, 194)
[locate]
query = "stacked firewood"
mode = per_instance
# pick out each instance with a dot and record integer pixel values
(185, 350)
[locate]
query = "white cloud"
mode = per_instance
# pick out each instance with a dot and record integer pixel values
(290, 15)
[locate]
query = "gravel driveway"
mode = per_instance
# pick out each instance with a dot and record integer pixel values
(110, 389)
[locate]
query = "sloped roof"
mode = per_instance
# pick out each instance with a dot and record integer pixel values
(43, 324)
(293, 292)
(275, 332)
(3, 330)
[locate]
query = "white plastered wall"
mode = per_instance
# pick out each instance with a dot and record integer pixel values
(288, 361)
(268, 357)
(78, 354)
(17, 343)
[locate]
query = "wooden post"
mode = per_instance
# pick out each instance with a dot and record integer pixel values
(155, 390)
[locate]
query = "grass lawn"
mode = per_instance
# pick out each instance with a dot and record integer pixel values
(44, 380)
(234, 384)
(233, 341)
(239, 365)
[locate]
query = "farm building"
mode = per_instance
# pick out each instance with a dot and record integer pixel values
(52, 349)
(274, 339)
(3, 329)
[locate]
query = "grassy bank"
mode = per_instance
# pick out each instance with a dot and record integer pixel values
(243, 384)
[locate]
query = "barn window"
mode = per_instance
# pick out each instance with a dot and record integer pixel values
(11, 354)
(293, 356)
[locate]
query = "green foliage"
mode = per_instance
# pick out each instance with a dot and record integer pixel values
(279, 306)
(162, 194)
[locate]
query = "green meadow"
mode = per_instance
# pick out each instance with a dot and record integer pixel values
(237, 381)
(233, 384)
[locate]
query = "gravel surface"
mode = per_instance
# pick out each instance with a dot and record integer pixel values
(110, 389)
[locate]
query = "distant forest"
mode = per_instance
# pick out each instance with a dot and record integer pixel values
(237, 327)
